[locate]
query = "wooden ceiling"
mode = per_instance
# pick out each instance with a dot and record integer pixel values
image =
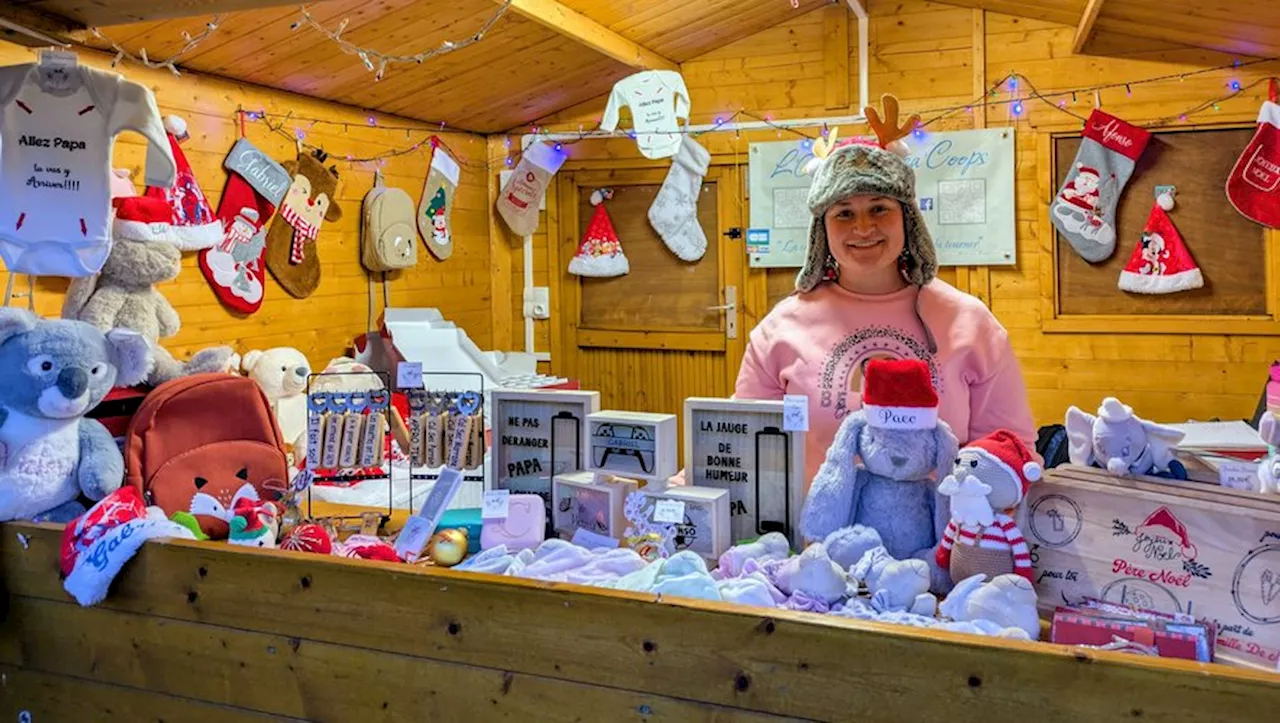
(1244, 27)
(541, 56)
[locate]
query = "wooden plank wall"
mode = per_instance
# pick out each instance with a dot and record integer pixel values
(937, 56)
(323, 325)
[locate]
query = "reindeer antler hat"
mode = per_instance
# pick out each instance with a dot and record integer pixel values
(853, 167)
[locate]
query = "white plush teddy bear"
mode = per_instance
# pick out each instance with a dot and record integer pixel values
(282, 373)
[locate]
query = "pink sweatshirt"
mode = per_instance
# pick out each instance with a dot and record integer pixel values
(814, 344)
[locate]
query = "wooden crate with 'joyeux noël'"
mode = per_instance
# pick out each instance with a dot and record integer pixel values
(1176, 547)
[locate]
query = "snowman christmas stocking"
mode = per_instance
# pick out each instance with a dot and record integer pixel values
(1084, 210)
(437, 202)
(521, 197)
(1254, 184)
(674, 213)
(235, 266)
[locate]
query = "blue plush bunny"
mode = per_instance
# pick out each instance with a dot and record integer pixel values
(52, 372)
(901, 444)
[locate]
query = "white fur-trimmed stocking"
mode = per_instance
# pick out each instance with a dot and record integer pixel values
(674, 213)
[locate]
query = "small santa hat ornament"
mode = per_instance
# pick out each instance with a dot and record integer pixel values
(1011, 454)
(1161, 263)
(191, 225)
(600, 253)
(899, 394)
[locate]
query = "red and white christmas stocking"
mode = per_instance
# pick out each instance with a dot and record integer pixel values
(1161, 263)
(236, 266)
(1254, 184)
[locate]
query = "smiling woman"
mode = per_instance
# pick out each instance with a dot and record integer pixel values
(868, 291)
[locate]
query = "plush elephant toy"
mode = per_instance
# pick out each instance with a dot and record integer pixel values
(1121, 442)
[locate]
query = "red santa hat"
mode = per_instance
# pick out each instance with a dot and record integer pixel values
(1008, 452)
(97, 544)
(899, 394)
(1082, 169)
(190, 224)
(1161, 262)
(600, 253)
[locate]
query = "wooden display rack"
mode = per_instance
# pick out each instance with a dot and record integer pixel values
(209, 632)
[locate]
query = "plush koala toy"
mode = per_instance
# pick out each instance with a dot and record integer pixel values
(1121, 443)
(901, 444)
(52, 372)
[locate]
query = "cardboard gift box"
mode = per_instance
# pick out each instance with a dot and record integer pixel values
(1173, 547)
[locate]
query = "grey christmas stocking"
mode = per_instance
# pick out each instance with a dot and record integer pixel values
(674, 213)
(1084, 210)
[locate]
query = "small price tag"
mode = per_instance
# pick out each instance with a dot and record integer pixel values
(592, 540)
(409, 375)
(413, 538)
(1238, 475)
(496, 505)
(795, 413)
(669, 511)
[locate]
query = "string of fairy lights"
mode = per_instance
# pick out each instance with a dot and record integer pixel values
(1014, 92)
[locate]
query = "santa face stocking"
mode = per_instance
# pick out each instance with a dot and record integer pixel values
(1254, 184)
(521, 197)
(437, 202)
(235, 267)
(1161, 263)
(1084, 210)
(292, 254)
(674, 213)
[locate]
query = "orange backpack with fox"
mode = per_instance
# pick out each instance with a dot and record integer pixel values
(201, 443)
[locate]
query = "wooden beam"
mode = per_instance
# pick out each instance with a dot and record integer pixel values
(1084, 31)
(590, 33)
(835, 56)
(122, 12)
(21, 25)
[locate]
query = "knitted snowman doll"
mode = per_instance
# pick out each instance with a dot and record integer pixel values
(990, 479)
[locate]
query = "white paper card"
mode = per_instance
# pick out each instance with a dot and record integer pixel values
(409, 375)
(413, 538)
(592, 540)
(795, 413)
(496, 505)
(1238, 475)
(669, 511)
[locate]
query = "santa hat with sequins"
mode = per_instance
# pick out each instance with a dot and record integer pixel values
(179, 215)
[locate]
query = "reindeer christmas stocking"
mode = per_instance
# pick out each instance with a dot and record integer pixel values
(235, 266)
(437, 202)
(1084, 210)
(291, 243)
(521, 197)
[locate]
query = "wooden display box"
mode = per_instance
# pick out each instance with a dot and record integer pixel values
(199, 632)
(739, 445)
(637, 445)
(581, 501)
(1177, 547)
(537, 435)
(705, 529)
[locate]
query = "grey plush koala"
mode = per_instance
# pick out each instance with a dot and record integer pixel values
(52, 372)
(1120, 442)
(890, 492)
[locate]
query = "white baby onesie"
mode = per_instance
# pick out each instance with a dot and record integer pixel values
(657, 98)
(57, 125)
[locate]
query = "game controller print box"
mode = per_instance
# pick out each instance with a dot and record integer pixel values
(636, 445)
(1186, 547)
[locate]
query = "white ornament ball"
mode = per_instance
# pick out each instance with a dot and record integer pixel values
(175, 125)
(1165, 201)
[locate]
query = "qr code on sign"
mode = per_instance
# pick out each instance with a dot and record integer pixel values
(962, 202)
